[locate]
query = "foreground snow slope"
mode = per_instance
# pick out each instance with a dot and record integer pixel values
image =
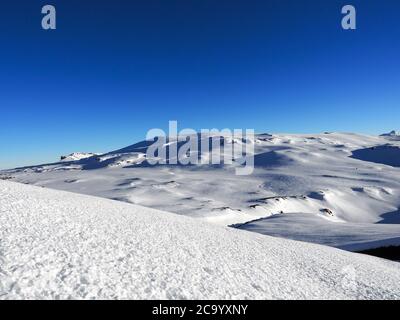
(55, 244)
(350, 181)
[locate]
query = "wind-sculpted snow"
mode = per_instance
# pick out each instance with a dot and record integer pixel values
(341, 178)
(59, 245)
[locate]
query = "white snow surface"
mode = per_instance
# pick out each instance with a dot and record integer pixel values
(77, 156)
(60, 245)
(350, 181)
(312, 228)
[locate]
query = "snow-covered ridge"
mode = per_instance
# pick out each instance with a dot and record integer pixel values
(77, 156)
(59, 245)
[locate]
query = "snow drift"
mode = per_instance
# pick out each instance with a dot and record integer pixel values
(59, 245)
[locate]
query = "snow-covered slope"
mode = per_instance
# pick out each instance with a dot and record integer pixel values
(313, 228)
(77, 156)
(55, 244)
(341, 178)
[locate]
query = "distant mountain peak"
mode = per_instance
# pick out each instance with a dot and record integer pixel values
(77, 156)
(392, 133)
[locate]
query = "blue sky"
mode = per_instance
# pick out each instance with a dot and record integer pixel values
(115, 69)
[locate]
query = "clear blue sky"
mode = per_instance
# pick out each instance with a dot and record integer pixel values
(114, 69)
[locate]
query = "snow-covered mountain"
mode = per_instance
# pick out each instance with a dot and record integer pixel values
(77, 156)
(60, 245)
(347, 184)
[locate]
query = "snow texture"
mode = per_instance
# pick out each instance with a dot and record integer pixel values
(60, 245)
